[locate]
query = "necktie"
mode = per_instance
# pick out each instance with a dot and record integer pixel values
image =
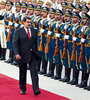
(28, 33)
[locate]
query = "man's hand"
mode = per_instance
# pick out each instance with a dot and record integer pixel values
(18, 57)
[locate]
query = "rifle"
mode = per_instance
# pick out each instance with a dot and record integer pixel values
(65, 46)
(48, 39)
(41, 43)
(57, 43)
(74, 47)
(89, 61)
(10, 27)
(82, 49)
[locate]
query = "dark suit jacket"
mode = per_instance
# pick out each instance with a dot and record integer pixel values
(24, 46)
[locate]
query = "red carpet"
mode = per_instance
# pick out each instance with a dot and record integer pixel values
(9, 90)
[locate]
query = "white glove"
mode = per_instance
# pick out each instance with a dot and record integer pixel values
(10, 23)
(41, 21)
(66, 26)
(42, 30)
(16, 24)
(35, 20)
(74, 28)
(82, 40)
(49, 22)
(57, 35)
(49, 32)
(7, 30)
(74, 38)
(82, 29)
(22, 17)
(16, 15)
(57, 25)
(10, 14)
(22, 25)
(66, 37)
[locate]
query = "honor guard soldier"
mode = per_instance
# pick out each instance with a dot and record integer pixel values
(31, 13)
(75, 32)
(35, 2)
(88, 7)
(53, 3)
(43, 34)
(23, 14)
(78, 9)
(85, 9)
(30, 2)
(67, 45)
(36, 24)
(17, 15)
(48, 4)
(59, 6)
(40, 2)
(50, 43)
(58, 50)
(64, 6)
(2, 32)
(9, 29)
(85, 52)
(87, 55)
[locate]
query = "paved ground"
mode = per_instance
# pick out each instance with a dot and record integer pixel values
(51, 85)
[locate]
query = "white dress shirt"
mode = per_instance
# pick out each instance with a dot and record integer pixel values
(27, 29)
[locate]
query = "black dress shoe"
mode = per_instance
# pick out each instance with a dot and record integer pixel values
(50, 75)
(22, 92)
(37, 92)
(2, 58)
(9, 61)
(65, 79)
(14, 63)
(56, 77)
(83, 85)
(42, 72)
(74, 82)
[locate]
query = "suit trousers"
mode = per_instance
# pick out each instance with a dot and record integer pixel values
(33, 72)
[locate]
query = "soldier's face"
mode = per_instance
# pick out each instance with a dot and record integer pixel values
(3, 6)
(53, 1)
(29, 2)
(84, 11)
(84, 21)
(59, 1)
(48, 6)
(59, 16)
(75, 20)
(52, 15)
(44, 14)
(24, 10)
(64, 8)
(89, 6)
(77, 10)
(31, 11)
(27, 24)
(8, 8)
(18, 9)
(67, 18)
(37, 12)
(70, 9)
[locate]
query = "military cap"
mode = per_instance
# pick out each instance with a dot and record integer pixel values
(38, 7)
(76, 14)
(18, 4)
(30, 6)
(89, 2)
(85, 8)
(77, 6)
(45, 9)
(29, 0)
(58, 11)
(24, 5)
(64, 4)
(34, 0)
(40, 2)
(3, 2)
(85, 15)
(77, 1)
(68, 13)
(70, 5)
(48, 3)
(52, 10)
(9, 3)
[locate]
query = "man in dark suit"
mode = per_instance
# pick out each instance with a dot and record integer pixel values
(25, 50)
